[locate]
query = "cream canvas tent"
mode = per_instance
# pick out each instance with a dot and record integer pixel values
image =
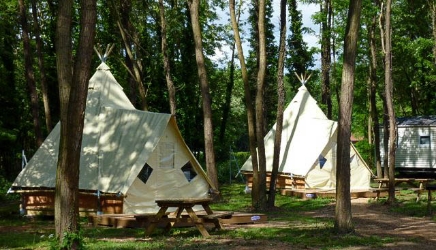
(308, 147)
(135, 155)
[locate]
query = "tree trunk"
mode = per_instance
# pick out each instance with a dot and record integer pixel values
(343, 218)
(204, 86)
(30, 76)
(385, 137)
(374, 125)
(166, 60)
(389, 103)
(326, 9)
(432, 6)
(248, 105)
(133, 66)
(259, 108)
(72, 90)
(228, 98)
(43, 77)
(280, 104)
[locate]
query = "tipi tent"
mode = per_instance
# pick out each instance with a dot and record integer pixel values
(308, 147)
(135, 155)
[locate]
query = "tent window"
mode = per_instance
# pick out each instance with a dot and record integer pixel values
(189, 171)
(322, 160)
(145, 173)
(166, 150)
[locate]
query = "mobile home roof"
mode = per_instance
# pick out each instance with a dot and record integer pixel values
(417, 121)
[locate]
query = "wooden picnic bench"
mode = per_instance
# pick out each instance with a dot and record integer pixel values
(429, 189)
(191, 217)
(417, 184)
(422, 182)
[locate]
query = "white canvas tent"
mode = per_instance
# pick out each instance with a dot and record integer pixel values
(138, 155)
(308, 147)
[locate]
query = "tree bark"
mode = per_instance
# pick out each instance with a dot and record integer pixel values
(228, 98)
(326, 9)
(132, 65)
(385, 136)
(73, 83)
(389, 102)
(374, 125)
(166, 60)
(259, 108)
(280, 104)
(432, 6)
(43, 77)
(248, 105)
(204, 86)
(343, 218)
(30, 76)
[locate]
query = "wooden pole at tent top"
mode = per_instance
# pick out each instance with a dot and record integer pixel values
(106, 54)
(302, 78)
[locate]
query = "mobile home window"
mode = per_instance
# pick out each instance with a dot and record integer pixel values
(424, 140)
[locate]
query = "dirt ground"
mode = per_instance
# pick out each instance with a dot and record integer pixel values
(372, 219)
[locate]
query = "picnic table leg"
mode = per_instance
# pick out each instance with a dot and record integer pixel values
(198, 223)
(217, 221)
(207, 209)
(154, 221)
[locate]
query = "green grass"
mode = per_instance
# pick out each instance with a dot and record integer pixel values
(296, 229)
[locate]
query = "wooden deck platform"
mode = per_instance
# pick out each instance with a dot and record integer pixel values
(129, 220)
(331, 193)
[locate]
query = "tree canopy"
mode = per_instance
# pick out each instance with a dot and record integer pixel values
(134, 28)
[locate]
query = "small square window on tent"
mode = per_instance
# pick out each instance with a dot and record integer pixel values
(189, 171)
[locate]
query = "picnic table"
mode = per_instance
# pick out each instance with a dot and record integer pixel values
(419, 184)
(185, 204)
(384, 182)
(430, 188)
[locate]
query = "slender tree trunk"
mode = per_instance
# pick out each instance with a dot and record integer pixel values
(385, 108)
(166, 60)
(228, 98)
(30, 76)
(280, 104)
(259, 108)
(133, 66)
(248, 105)
(343, 218)
(432, 6)
(385, 137)
(389, 103)
(73, 83)
(374, 125)
(326, 9)
(43, 78)
(204, 85)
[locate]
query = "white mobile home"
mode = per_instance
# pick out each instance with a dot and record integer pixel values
(416, 144)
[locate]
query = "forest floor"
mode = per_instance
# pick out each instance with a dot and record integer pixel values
(371, 219)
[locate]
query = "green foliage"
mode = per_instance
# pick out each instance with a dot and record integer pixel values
(71, 240)
(366, 150)
(228, 170)
(300, 58)
(4, 187)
